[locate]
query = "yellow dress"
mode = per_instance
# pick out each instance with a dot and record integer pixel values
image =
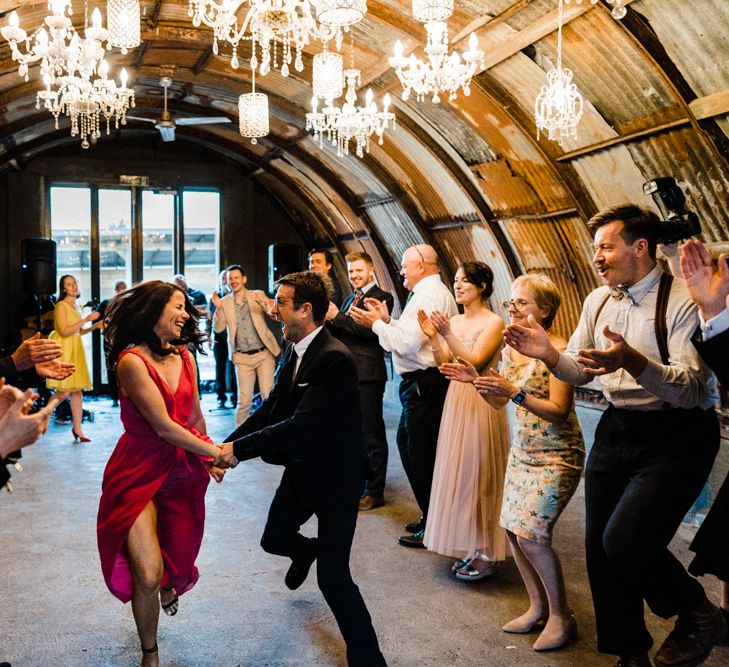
(65, 315)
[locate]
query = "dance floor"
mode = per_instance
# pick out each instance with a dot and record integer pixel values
(56, 611)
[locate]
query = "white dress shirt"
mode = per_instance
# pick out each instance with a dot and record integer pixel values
(403, 337)
(716, 325)
(686, 382)
(303, 345)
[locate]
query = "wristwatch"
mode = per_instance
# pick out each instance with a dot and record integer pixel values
(519, 398)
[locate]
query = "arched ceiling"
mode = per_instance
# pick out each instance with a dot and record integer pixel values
(469, 176)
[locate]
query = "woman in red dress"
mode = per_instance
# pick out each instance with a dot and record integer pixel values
(152, 508)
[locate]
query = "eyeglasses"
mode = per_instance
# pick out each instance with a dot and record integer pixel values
(517, 303)
(283, 300)
(420, 254)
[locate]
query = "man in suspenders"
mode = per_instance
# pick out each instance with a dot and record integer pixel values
(654, 445)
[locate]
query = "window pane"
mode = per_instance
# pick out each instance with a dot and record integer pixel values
(71, 230)
(115, 244)
(158, 222)
(201, 220)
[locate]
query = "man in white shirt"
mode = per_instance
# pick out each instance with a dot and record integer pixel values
(423, 388)
(654, 445)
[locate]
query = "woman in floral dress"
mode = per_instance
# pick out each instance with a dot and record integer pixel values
(545, 462)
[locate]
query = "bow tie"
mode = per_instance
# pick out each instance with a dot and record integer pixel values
(619, 292)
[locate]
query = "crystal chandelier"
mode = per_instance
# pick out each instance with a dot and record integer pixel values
(443, 72)
(618, 11)
(63, 52)
(253, 113)
(340, 126)
(336, 16)
(558, 107)
(85, 102)
(328, 79)
(426, 11)
(122, 20)
(274, 24)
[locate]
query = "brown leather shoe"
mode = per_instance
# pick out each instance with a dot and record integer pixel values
(693, 637)
(367, 503)
(634, 661)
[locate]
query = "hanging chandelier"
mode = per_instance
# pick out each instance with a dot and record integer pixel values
(442, 72)
(618, 11)
(85, 103)
(351, 122)
(122, 20)
(59, 49)
(559, 105)
(253, 114)
(426, 11)
(328, 78)
(336, 16)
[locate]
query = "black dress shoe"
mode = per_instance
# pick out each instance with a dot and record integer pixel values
(693, 637)
(415, 526)
(634, 661)
(414, 541)
(300, 567)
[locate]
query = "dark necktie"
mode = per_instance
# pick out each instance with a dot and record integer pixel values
(286, 377)
(358, 294)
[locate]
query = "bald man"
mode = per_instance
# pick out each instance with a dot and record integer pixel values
(423, 388)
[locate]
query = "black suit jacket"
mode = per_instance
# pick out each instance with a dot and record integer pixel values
(361, 341)
(311, 424)
(715, 352)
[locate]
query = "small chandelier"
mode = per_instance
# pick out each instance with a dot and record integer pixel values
(559, 105)
(426, 11)
(287, 24)
(442, 73)
(122, 19)
(340, 126)
(339, 13)
(85, 103)
(618, 11)
(253, 113)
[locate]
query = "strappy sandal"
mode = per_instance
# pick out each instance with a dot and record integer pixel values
(461, 563)
(172, 606)
(472, 573)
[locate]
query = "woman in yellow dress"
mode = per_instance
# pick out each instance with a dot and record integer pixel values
(68, 328)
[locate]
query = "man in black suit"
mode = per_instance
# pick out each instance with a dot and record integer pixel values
(369, 357)
(311, 424)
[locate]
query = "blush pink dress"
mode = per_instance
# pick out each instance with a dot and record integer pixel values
(144, 468)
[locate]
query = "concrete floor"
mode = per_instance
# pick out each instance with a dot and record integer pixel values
(55, 609)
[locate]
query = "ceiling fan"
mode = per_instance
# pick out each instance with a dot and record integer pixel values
(166, 123)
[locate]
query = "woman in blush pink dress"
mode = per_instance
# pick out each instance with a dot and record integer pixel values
(152, 508)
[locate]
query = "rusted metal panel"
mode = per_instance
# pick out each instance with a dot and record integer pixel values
(507, 192)
(684, 155)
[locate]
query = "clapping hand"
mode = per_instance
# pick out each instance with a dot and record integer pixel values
(492, 384)
(55, 370)
(426, 325)
(707, 285)
(618, 355)
(332, 311)
(441, 322)
(531, 341)
(374, 310)
(460, 371)
(35, 350)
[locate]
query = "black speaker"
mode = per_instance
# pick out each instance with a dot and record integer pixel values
(38, 266)
(283, 258)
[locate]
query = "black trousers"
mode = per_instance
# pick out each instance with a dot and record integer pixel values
(224, 372)
(373, 425)
(422, 394)
(644, 472)
(337, 522)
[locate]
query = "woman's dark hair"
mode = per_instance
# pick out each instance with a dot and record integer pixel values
(480, 275)
(133, 314)
(61, 290)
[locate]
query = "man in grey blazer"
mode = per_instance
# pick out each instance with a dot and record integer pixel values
(252, 347)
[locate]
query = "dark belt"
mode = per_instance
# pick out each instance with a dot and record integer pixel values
(260, 349)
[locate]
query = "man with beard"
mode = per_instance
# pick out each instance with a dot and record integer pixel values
(654, 445)
(312, 425)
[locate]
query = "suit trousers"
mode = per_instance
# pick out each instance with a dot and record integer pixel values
(224, 372)
(336, 525)
(375, 437)
(645, 470)
(260, 366)
(422, 394)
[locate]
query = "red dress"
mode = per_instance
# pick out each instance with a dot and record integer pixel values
(145, 467)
